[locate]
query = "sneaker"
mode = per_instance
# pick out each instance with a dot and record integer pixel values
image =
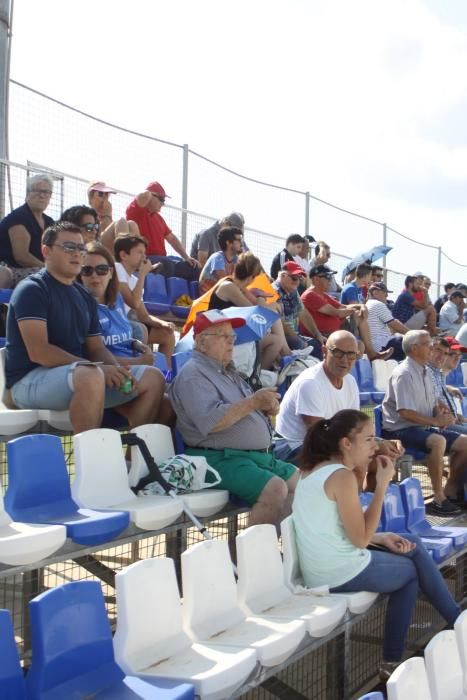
(302, 352)
(446, 507)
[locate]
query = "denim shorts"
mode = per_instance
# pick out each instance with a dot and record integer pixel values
(415, 438)
(52, 388)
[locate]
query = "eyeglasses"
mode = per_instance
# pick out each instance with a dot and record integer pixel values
(340, 354)
(230, 337)
(295, 278)
(101, 270)
(90, 227)
(70, 247)
(157, 196)
(45, 193)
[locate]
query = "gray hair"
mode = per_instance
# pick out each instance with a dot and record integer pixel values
(40, 177)
(412, 338)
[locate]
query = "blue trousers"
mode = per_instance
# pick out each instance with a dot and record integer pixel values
(402, 575)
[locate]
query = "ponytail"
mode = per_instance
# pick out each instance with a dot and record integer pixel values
(322, 439)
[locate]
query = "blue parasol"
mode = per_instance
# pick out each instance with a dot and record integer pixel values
(375, 253)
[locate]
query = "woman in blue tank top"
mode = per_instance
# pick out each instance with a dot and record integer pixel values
(333, 533)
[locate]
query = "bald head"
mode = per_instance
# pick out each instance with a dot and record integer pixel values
(340, 354)
(341, 336)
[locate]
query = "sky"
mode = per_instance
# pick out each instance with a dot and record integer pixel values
(360, 103)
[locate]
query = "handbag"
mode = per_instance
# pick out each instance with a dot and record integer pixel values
(185, 473)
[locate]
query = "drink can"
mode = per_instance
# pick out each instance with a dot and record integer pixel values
(126, 386)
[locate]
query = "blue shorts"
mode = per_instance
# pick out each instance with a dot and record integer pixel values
(52, 388)
(415, 438)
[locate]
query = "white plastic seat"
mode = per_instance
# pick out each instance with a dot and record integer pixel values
(382, 370)
(158, 438)
(356, 602)
(409, 681)
(101, 481)
(23, 543)
(443, 667)
(13, 421)
(212, 614)
(59, 420)
(150, 640)
(262, 590)
(460, 629)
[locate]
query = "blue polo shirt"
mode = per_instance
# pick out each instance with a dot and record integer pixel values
(22, 216)
(352, 294)
(69, 311)
(403, 307)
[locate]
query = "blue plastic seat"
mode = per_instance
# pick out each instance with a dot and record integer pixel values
(394, 519)
(368, 393)
(2, 342)
(365, 499)
(372, 696)
(155, 295)
(177, 287)
(5, 295)
(39, 492)
(72, 651)
(455, 378)
(414, 508)
(178, 360)
(378, 416)
(194, 289)
(12, 686)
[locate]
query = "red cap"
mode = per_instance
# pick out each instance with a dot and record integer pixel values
(156, 188)
(100, 187)
(205, 319)
(454, 344)
(293, 268)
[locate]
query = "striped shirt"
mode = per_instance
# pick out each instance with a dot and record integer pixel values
(379, 315)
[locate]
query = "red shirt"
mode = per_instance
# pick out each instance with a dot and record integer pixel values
(151, 226)
(313, 301)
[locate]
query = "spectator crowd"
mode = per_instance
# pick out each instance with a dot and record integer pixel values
(79, 338)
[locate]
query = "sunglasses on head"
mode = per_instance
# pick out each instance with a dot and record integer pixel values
(101, 270)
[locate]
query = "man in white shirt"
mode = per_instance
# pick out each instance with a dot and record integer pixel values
(451, 314)
(382, 323)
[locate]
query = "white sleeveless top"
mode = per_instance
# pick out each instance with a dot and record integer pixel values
(326, 554)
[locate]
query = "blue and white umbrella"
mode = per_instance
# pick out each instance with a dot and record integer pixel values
(379, 251)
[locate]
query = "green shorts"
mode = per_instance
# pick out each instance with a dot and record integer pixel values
(244, 473)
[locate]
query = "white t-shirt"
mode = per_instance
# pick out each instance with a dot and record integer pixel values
(126, 278)
(312, 394)
(304, 263)
(448, 316)
(379, 315)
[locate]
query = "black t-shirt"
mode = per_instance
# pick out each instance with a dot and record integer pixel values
(68, 309)
(22, 216)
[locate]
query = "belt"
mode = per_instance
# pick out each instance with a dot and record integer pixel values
(266, 450)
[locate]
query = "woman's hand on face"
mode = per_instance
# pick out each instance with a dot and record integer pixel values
(384, 470)
(396, 543)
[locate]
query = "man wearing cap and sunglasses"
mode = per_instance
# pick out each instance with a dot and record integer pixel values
(221, 419)
(145, 211)
(330, 315)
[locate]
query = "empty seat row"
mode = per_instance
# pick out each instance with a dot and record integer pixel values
(161, 294)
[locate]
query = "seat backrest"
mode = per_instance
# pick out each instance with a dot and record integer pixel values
(209, 590)
(158, 438)
(455, 377)
(37, 476)
(443, 667)
(409, 680)
(4, 517)
(463, 366)
(177, 287)
(412, 501)
(72, 651)
(155, 289)
(260, 583)
(101, 477)
(393, 514)
(194, 289)
(365, 499)
(378, 420)
(460, 629)
(376, 695)
(380, 375)
(365, 375)
(12, 685)
(178, 360)
(292, 573)
(149, 616)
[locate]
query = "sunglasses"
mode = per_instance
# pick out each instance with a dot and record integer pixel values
(70, 247)
(157, 196)
(100, 270)
(90, 227)
(294, 278)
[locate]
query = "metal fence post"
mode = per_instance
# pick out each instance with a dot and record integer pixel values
(307, 213)
(385, 242)
(438, 281)
(5, 19)
(184, 194)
